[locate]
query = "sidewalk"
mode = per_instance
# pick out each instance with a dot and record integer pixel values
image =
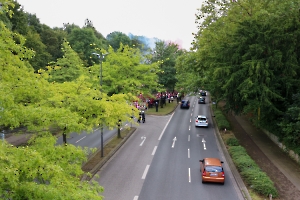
(282, 170)
(17, 139)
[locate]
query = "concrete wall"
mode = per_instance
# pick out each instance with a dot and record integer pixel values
(291, 153)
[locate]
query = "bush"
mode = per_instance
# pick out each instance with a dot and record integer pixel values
(232, 142)
(251, 173)
(221, 120)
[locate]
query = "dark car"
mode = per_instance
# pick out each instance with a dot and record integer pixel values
(201, 100)
(185, 104)
(203, 93)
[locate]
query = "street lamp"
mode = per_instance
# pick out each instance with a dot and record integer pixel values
(101, 57)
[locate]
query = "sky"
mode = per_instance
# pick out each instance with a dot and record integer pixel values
(169, 20)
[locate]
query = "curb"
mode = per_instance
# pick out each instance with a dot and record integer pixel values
(106, 158)
(231, 165)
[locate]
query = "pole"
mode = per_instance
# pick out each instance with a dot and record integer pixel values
(100, 57)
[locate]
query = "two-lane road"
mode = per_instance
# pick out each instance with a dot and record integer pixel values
(161, 161)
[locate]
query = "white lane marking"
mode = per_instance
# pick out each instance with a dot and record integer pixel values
(189, 138)
(174, 140)
(154, 150)
(145, 172)
(143, 138)
(189, 174)
(80, 139)
(203, 141)
(136, 198)
(191, 114)
(165, 127)
(188, 153)
(189, 128)
(190, 120)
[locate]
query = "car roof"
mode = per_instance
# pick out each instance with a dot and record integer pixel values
(201, 116)
(213, 161)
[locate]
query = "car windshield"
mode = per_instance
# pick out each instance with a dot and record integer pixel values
(213, 169)
(202, 119)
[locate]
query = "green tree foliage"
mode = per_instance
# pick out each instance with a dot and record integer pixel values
(34, 23)
(187, 74)
(42, 170)
(116, 38)
(166, 55)
(42, 57)
(19, 18)
(84, 42)
(248, 51)
(67, 68)
(291, 124)
(125, 73)
(53, 38)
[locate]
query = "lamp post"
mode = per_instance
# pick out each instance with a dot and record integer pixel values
(101, 57)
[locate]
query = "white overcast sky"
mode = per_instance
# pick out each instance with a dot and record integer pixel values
(172, 20)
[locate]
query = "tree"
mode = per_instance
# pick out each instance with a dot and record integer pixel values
(42, 57)
(43, 170)
(84, 42)
(250, 54)
(53, 39)
(18, 19)
(125, 73)
(116, 38)
(166, 55)
(67, 68)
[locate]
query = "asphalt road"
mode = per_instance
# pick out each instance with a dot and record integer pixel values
(154, 165)
(91, 140)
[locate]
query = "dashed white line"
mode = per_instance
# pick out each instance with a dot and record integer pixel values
(188, 153)
(154, 150)
(136, 198)
(189, 174)
(189, 137)
(145, 172)
(189, 128)
(80, 139)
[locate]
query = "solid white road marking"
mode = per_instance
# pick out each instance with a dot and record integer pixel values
(154, 150)
(80, 139)
(136, 198)
(174, 140)
(165, 127)
(189, 174)
(143, 138)
(145, 172)
(188, 153)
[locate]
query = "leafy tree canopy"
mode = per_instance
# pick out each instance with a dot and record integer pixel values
(116, 38)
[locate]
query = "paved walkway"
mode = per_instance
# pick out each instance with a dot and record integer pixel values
(283, 170)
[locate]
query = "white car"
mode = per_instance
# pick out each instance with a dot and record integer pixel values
(201, 120)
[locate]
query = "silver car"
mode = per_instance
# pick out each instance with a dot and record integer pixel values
(201, 120)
